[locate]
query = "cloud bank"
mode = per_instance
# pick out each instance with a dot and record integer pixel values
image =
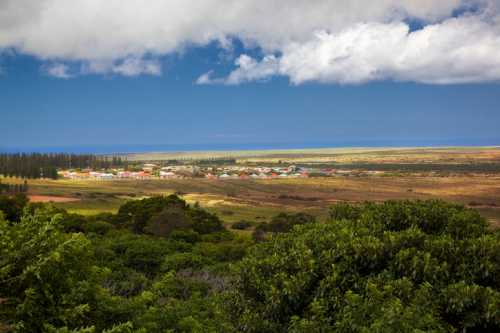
(328, 41)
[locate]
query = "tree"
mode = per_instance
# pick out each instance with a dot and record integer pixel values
(205, 222)
(168, 220)
(161, 215)
(137, 213)
(424, 266)
(284, 222)
(45, 274)
(12, 206)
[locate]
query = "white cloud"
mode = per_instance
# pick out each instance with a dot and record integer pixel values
(58, 70)
(117, 36)
(135, 66)
(206, 78)
(130, 66)
(463, 50)
(248, 70)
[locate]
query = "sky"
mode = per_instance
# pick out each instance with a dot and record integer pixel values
(210, 74)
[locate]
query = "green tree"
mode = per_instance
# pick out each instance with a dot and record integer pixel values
(424, 266)
(45, 274)
(12, 206)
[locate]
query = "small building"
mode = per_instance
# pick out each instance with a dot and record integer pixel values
(167, 175)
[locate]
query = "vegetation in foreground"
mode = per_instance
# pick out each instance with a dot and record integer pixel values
(161, 265)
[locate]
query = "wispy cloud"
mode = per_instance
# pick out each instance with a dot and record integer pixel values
(131, 66)
(126, 67)
(206, 78)
(57, 70)
(135, 66)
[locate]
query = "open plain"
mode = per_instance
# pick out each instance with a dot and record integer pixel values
(469, 176)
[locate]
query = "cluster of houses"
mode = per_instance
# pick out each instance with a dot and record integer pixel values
(153, 171)
(241, 172)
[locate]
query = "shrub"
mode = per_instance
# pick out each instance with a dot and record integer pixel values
(242, 225)
(179, 261)
(225, 251)
(424, 266)
(188, 236)
(161, 215)
(168, 220)
(46, 275)
(205, 222)
(284, 222)
(217, 237)
(97, 227)
(12, 207)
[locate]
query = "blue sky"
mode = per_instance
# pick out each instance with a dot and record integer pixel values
(255, 94)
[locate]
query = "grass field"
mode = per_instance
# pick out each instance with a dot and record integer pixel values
(258, 200)
(451, 155)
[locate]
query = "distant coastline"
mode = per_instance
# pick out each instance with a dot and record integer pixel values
(122, 149)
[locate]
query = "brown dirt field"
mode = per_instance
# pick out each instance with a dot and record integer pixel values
(49, 198)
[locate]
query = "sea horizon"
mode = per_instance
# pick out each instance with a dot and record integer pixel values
(199, 147)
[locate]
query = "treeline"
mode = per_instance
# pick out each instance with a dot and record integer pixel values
(37, 165)
(163, 265)
(483, 167)
(13, 188)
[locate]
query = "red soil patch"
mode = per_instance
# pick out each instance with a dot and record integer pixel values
(50, 198)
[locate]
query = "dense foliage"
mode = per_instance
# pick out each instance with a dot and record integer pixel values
(160, 216)
(392, 267)
(62, 272)
(12, 206)
(37, 165)
(162, 265)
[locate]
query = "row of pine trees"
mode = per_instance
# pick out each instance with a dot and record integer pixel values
(13, 188)
(38, 165)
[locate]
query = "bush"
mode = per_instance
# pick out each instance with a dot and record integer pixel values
(46, 275)
(12, 207)
(259, 235)
(161, 215)
(142, 253)
(97, 227)
(220, 252)
(125, 282)
(167, 221)
(242, 225)
(205, 222)
(424, 266)
(284, 222)
(179, 261)
(217, 237)
(188, 236)
(136, 214)
(74, 222)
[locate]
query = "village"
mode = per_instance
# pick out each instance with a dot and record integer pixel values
(155, 171)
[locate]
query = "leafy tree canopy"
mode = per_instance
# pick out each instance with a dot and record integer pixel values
(394, 267)
(161, 215)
